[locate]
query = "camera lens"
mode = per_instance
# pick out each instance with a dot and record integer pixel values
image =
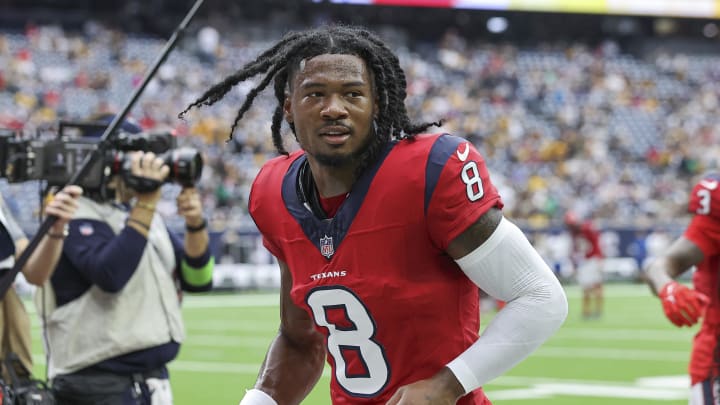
(185, 165)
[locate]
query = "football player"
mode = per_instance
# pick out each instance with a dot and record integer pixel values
(699, 246)
(383, 235)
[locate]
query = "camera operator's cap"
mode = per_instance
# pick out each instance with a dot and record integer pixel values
(128, 125)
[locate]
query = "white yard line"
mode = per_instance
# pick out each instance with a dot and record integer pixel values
(662, 388)
(671, 389)
(669, 334)
(586, 390)
(245, 342)
(271, 299)
(612, 354)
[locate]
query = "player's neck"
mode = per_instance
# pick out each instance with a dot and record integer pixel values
(332, 181)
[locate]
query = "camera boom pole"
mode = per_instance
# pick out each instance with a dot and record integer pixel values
(9, 277)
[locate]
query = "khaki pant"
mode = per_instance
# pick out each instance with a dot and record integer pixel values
(15, 328)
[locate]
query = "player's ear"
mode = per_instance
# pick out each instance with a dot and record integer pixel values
(287, 109)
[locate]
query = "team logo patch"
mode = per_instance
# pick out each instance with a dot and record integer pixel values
(86, 229)
(326, 246)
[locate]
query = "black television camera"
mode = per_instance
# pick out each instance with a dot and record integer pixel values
(56, 160)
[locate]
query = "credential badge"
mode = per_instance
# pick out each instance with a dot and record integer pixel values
(326, 246)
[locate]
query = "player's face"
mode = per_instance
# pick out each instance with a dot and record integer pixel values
(331, 103)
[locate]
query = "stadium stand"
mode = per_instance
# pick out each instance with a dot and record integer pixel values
(595, 128)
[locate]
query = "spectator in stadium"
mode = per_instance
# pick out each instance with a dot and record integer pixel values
(699, 246)
(114, 318)
(534, 107)
(587, 257)
(382, 232)
(14, 321)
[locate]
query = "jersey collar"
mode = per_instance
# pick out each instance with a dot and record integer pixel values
(327, 233)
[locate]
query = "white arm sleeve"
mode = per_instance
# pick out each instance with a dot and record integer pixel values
(507, 267)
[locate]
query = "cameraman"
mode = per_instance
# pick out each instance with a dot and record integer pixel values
(14, 321)
(115, 321)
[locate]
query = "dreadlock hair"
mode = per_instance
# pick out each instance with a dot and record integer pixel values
(282, 61)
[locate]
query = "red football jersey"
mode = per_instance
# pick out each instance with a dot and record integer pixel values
(586, 241)
(704, 231)
(394, 307)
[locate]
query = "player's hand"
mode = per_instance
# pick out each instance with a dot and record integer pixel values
(442, 389)
(683, 306)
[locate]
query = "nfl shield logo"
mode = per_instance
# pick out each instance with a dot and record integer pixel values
(326, 246)
(86, 229)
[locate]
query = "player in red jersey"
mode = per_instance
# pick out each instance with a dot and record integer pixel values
(699, 246)
(383, 236)
(588, 260)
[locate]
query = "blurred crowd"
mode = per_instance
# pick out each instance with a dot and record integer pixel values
(596, 130)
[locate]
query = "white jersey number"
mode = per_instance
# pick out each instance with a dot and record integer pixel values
(704, 195)
(358, 337)
(473, 183)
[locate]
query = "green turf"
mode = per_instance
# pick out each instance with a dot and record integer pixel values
(587, 362)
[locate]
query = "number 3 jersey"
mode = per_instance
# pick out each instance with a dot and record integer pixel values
(375, 278)
(704, 231)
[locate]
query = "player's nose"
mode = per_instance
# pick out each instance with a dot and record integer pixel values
(333, 109)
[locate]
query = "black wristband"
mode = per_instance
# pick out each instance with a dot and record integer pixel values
(198, 228)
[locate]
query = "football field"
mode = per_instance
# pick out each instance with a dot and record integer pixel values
(632, 355)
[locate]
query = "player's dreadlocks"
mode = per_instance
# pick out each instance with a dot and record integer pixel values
(281, 62)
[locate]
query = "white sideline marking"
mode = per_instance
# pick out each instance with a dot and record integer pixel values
(520, 393)
(544, 351)
(204, 340)
(663, 388)
(214, 367)
(672, 381)
(634, 335)
(659, 335)
(231, 301)
(589, 390)
(234, 326)
(615, 354)
(238, 300)
(272, 299)
(653, 388)
(655, 335)
(217, 367)
(614, 290)
(227, 341)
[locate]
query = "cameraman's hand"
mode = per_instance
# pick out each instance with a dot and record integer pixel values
(63, 205)
(189, 206)
(148, 165)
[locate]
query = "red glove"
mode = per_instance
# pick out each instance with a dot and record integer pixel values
(683, 306)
